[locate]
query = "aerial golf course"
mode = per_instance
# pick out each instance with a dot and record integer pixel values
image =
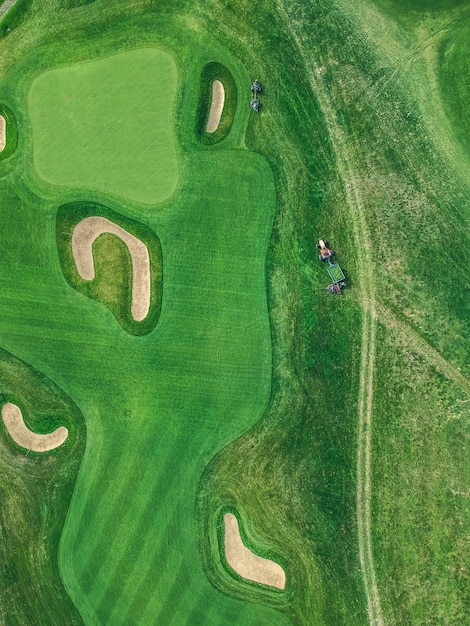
(194, 432)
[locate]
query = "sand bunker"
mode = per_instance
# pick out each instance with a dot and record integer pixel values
(217, 106)
(85, 233)
(3, 135)
(247, 564)
(20, 433)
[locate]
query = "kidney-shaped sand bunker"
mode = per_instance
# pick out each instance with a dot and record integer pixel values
(247, 564)
(26, 438)
(87, 231)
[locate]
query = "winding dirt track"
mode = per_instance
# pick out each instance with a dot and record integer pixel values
(21, 435)
(83, 236)
(217, 106)
(3, 136)
(247, 564)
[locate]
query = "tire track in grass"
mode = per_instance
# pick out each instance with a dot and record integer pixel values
(350, 177)
(423, 347)
(366, 386)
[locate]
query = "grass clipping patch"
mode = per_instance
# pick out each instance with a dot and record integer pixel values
(207, 131)
(116, 280)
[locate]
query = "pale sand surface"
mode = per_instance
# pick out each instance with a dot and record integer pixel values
(217, 106)
(6, 6)
(3, 136)
(85, 233)
(20, 433)
(247, 564)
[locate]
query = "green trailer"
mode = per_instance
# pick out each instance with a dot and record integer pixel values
(335, 272)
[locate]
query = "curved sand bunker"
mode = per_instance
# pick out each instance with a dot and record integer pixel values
(3, 134)
(20, 433)
(85, 233)
(247, 564)
(217, 106)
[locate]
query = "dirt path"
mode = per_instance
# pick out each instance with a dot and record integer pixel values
(247, 564)
(217, 106)
(85, 233)
(21, 435)
(3, 136)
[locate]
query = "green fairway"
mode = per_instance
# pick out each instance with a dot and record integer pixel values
(335, 428)
(107, 125)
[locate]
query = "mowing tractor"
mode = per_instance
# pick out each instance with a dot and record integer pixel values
(325, 252)
(256, 89)
(335, 288)
(334, 270)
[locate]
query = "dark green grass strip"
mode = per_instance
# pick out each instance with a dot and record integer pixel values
(74, 4)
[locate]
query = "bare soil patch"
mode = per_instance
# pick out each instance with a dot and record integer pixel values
(3, 135)
(247, 564)
(87, 231)
(21, 435)
(217, 106)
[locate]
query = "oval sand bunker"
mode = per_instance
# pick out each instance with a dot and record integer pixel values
(247, 564)
(217, 106)
(21, 435)
(85, 233)
(3, 134)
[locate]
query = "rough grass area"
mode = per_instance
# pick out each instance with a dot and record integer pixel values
(35, 494)
(112, 285)
(420, 485)
(216, 71)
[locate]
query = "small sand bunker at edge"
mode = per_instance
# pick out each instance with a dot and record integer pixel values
(245, 562)
(3, 135)
(85, 233)
(217, 106)
(21, 435)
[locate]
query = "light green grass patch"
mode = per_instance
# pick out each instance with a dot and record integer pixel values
(107, 125)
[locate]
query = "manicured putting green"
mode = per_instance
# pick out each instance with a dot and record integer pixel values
(107, 125)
